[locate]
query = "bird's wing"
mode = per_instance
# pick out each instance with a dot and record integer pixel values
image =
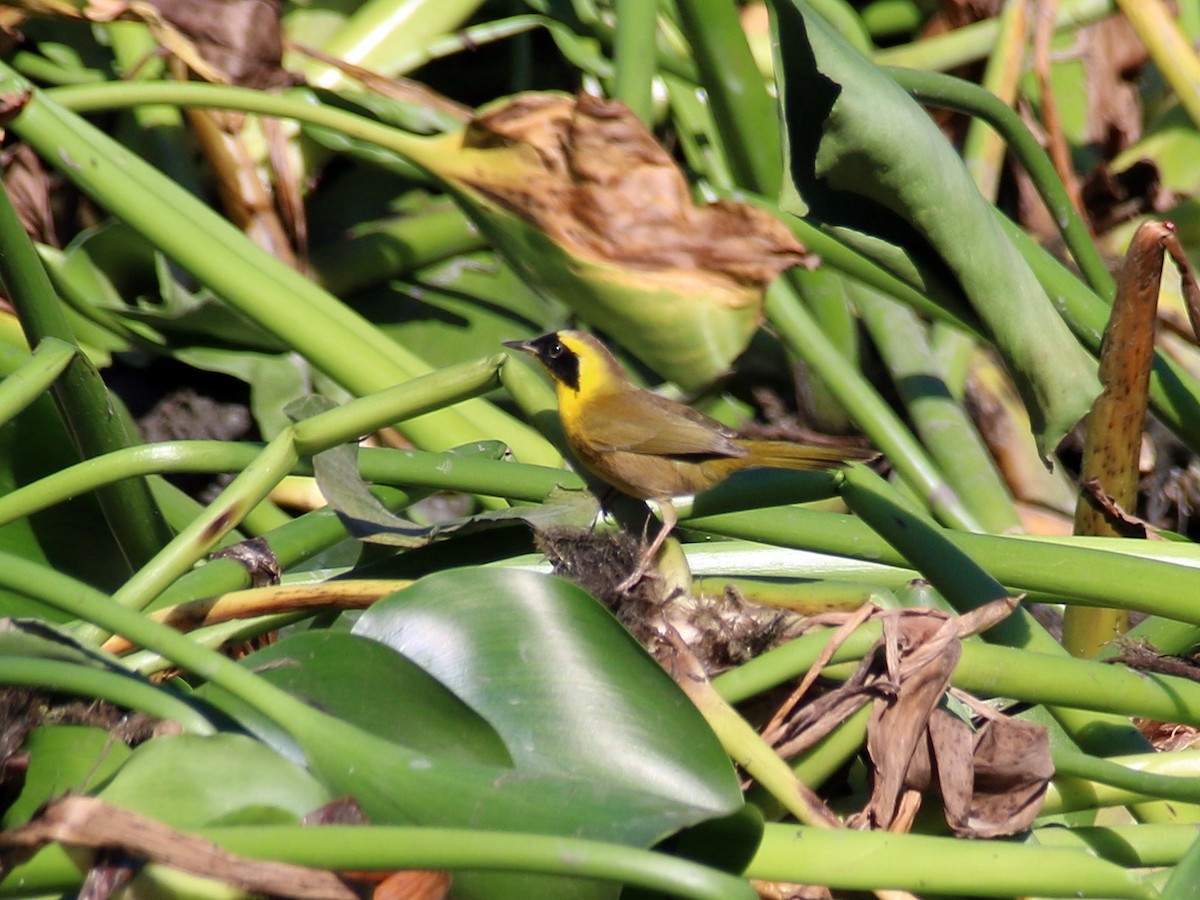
(646, 423)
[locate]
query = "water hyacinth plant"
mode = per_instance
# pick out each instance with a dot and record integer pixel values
(299, 595)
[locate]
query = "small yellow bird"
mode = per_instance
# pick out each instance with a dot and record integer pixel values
(645, 445)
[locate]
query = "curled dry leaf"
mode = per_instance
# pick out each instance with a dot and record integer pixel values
(607, 189)
(223, 41)
(241, 38)
(28, 188)
(588, 206)
(991, 777)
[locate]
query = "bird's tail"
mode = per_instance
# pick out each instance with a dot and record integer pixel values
(786, 455)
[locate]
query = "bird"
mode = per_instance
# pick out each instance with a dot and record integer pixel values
(646, 445)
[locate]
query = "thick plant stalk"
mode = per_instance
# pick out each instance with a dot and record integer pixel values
(741, 105)
(637, 26)
(1114, 430)
(943, 424)
(1169, 48)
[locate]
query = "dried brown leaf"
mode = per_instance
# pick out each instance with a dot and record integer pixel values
(90, 822)
(991, 778)
(1012, 768)
(242, 39)
(926, 653)
(1128, 525)
(600, 185)
(28, 188)
(1112, 445)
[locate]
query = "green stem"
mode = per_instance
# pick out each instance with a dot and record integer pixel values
(388, 848)
(634, 56)
(218, 518)
(124, 690)
(80, 395)
(321, 432)
(86, 604)
(942, 424)
(826, 294)
(1070, 569)
(866, 407)
(1132, 846)
(975, 41)
(962, 96)
(409, 468)
(312, 321)
(744, 111)
(33, 378)
(1104, 771)
(924, 298)
(941, 865)
(400, 403)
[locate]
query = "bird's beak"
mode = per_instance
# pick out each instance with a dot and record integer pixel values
(523, 346)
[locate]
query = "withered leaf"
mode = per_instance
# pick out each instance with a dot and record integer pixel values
(991, 778)
(1123, 522)
(242, 39)
(605, 188)
(28, 188)
(1012, 768)
(927, 653)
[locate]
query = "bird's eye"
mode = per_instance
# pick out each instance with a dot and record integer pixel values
(556, 350)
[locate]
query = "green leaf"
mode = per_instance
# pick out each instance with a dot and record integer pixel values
(457, 307)
(63, 758)
(371, 686)
(188, 781)
(33, 445)
(1184, 883)
(567, 688)
(868, 163)
(275, 379)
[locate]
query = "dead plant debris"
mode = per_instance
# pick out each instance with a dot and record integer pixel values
(990, 770)
(90, 822)
(723, 631)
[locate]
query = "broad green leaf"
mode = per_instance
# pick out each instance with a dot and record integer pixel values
(275, 379)
(567, 688)
(373, 687)
(864, 159)
(188, 781)
(33, 445)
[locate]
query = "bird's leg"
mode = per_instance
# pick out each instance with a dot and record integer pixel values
(669, 519)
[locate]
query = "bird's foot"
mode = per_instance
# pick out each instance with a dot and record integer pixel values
(644, 570)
